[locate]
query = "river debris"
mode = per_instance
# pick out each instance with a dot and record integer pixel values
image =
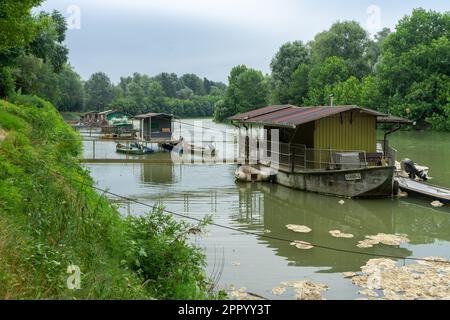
(402, 194)
(278, 291)
(382, 279)
(342, 202)
(242, 294)
(437, 204)
(339, 234)
(307, 290)
(387, 239)
(267, 231)
(297, 228)
(236, 264)
(349, 274)
(302, 245)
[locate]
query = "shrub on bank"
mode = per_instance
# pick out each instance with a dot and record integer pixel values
(51, 218)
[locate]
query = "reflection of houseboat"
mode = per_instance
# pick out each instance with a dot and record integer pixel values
(328, 150)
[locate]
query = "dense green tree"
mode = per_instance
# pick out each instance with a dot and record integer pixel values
(247, 90)
(323, 77)
(375, 46)
(71, 90)
(7, 85)
(298, 89)
(185, 93)
(169, 83)
(99, 92)
(193, 82)
(287, 60)
(34, 76)
(347, 92)
(347, 40)
(415, 67)
(16, 23)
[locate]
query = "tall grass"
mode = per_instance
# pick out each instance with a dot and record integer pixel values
(51, 218)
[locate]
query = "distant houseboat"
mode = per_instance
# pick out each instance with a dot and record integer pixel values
(155, 127)
(327, 150)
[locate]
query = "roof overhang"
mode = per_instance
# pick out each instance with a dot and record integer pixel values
(291, 116)
(394, 120)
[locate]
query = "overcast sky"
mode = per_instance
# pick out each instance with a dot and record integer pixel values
(206, 37)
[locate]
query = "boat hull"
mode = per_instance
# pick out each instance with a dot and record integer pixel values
(424, 191)
(376, 182)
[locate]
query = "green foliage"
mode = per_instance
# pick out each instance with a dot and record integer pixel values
(51, 218)
(158, 252)
(413, 74)
(247, 90)
(298, 89)
(71, 90)
(287, 60)
(99, 92)
(141, 93)
(7, 85)
(405, 72)
(346, 40)
(324, 76)
(47, 44)
(16, 23)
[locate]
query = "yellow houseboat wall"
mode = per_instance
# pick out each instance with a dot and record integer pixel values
(346, 132)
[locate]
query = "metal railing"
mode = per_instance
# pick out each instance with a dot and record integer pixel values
(294, 157)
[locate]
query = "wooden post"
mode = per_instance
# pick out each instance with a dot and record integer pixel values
(93, 149)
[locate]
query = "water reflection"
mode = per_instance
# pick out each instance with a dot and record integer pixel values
(272, 207)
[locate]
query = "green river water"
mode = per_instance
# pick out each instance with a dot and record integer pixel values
(260, 264)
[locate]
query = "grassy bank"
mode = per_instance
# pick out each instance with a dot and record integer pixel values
(51, 218)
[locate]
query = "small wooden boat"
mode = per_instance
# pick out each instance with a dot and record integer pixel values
(424, 190)
(133, 148)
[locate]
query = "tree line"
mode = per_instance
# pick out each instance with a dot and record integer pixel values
(405, 72)
(188, 95)
(34, 61)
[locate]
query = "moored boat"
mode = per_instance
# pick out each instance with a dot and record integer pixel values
(133, 149)
(328, 150)
(424, 190)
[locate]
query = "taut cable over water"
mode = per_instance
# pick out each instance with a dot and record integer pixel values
(256, 234)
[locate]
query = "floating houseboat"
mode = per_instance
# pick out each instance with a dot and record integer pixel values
(155, 127)
(327, 150)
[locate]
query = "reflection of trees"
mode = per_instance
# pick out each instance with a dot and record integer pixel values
(422, 223)
(282, 206)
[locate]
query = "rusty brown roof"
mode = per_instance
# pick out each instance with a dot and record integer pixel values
(292, 116)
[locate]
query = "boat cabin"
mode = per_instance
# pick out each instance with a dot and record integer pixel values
(319, 138)
(155, 126)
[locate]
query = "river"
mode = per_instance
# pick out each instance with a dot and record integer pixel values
(259, 263)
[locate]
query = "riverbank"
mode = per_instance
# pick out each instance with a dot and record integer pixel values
(54, 224)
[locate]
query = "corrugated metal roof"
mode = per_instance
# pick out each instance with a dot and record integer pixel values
(292, 116)
(259, 112)
(151, 115)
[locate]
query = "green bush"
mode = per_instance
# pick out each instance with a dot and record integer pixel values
(51, 217)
